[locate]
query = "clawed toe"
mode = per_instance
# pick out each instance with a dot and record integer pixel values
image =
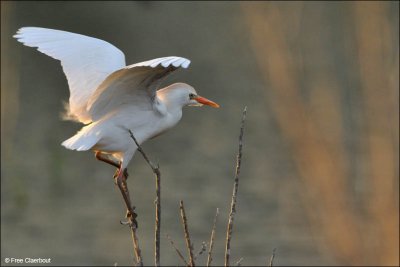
(131, 218)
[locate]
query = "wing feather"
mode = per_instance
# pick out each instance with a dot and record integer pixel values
(86, 62)
(133, 85)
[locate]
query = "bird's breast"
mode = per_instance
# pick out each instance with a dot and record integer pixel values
(150, 124)
(144, 125)
(165, 123)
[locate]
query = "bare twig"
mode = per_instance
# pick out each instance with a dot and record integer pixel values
(156, 170)
(158, 219)
(239, 262)
(271, 260)
(135, 240)
(139, 148)
(187, 236)
(177, 251)
(138, 255)
(234, 194)
(202, 249)
(131, 216)
(209, 259)
(120, 180)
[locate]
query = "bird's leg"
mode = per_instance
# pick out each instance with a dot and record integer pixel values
(99, 156)
(120, 180)
(117, 172)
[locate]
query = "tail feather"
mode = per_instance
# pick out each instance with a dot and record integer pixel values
(82, 141)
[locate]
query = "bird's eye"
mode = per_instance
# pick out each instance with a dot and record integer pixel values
(191, 96)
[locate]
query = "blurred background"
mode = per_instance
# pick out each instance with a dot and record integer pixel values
(320, 172)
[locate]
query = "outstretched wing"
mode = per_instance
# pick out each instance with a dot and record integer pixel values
(86, 62)
(136, 85)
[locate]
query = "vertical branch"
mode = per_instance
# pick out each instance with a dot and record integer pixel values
(209, 259)
(158, 219)
(156, 171)
(234, 194)
(138, 254)
(271, 260)
(187, 236)
(131, 216)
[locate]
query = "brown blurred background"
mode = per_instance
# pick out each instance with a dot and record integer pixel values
(320, 173)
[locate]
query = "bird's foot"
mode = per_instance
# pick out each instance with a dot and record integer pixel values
(116, 174)
(131, 216)
(115, 177)
(120, 180)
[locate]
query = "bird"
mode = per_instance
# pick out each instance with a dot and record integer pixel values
(113, 99)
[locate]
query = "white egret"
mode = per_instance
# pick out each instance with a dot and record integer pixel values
(112, 98)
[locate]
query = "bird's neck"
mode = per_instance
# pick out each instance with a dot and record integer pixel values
(172, 102)
(174, 110)
(171, 113)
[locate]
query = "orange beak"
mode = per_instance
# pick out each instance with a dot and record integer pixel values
(205, 101)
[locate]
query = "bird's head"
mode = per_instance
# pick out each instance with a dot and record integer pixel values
(184, 95)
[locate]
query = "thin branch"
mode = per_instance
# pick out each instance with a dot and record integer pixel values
(139, 148)
(177, 251)
(158, 219)
(271, 261)
(239, 262)
(120, 180)
(156, 170)
(234, 194)
(138, 255)
(187, 236)
(130, 215)
(209, 259)
(202, 249)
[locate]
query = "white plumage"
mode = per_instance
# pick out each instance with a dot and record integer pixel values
(110, 97)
